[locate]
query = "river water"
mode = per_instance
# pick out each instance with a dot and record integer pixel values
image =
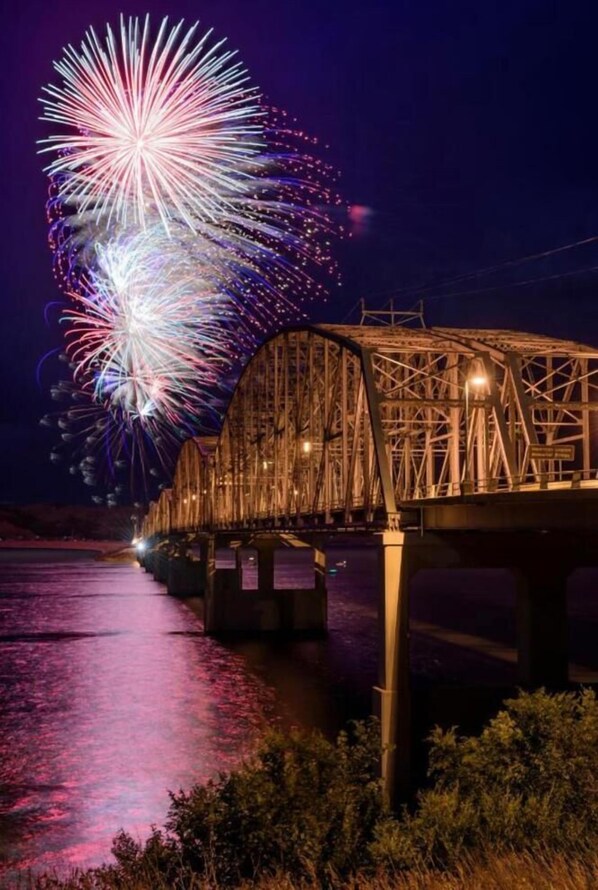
(110, 694)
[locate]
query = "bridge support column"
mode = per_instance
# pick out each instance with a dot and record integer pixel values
(266, 548)
(221, 591)
(231, 609)
(160, 566)
(542, 624)
(186, 576)
(392, 695)
(320, 579)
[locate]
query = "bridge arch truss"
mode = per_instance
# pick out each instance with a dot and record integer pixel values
(346, 426)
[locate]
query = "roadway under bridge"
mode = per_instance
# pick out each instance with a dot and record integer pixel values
(464, 448)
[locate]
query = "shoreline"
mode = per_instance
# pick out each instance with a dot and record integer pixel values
(100, 548)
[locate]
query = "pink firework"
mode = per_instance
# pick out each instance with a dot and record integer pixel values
(165, 127)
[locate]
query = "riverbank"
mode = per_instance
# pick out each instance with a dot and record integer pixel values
(64, 522)
(98, 548)
(515, 806)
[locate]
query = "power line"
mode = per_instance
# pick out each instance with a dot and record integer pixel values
(523, 283)
(516, 262)
(410, 291)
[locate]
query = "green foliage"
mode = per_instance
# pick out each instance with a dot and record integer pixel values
(303, 805)
(529, 780)
(307, 811)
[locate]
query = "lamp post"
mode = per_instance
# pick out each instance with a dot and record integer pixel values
(473, 382)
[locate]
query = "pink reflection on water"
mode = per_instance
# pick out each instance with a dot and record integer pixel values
(112, 697)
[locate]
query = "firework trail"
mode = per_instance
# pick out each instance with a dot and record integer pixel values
(186, 221)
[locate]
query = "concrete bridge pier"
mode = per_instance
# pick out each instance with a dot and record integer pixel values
(221, 589)
(231, 608)
(184, 576)
(148, 560)
(188, 572)
(160, 565)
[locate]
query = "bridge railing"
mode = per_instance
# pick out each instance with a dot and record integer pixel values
(547, 481)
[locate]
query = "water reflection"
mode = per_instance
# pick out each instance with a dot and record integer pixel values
(111, 695)
(109, 698)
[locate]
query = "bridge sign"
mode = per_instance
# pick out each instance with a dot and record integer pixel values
(552, 452)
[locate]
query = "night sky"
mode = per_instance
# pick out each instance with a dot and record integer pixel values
(468, 128)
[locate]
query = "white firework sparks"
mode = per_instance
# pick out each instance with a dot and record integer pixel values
(164, 127)
(150, 330)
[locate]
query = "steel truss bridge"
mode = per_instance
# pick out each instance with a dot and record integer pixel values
(337, 426)
(451, 445)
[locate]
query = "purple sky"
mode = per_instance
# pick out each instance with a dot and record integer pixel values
(469, 128)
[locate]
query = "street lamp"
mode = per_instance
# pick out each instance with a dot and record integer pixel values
(473, 382)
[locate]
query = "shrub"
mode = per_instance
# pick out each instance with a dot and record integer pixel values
(529, 780)
(302, 805)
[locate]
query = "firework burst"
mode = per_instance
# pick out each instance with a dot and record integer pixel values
(151, 330)
(186, 220)
(165, 128)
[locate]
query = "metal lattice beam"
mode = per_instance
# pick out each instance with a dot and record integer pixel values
(346, 425)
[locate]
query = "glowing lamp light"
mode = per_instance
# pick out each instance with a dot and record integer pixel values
(141, 547)
(477, 381)
(265, 464)
(306, 447)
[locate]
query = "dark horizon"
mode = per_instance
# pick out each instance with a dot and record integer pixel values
(468, 133)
